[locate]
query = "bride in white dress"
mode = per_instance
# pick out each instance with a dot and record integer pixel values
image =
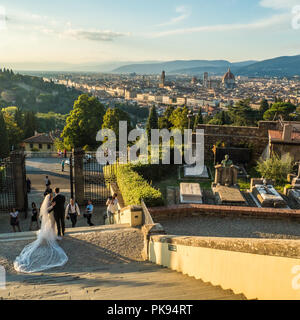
(44, 253)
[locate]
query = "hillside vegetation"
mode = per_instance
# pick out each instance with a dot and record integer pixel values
(34, 94)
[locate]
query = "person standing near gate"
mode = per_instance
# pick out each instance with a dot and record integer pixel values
(72, 212)
(63, 165)
(14, 220)
(89, 211)
(28, 184)
(47, 182)
(35, 216)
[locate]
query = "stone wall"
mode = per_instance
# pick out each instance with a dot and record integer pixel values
(182, 211)
(259, 269)
(256, 137)
(287, 148)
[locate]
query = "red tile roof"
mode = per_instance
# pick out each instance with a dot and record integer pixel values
(40, 138)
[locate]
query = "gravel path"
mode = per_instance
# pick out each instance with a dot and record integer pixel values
(233, 227)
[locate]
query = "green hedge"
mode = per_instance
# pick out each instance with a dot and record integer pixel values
(154, 173)
(134, 187)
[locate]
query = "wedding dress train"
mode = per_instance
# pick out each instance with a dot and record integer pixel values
(44, 253)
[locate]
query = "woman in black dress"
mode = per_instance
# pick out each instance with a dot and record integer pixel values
(35, 216)
(14, 220)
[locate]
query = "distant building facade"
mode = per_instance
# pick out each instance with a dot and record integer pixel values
(228, 80)
(40, 142)
(162, 80)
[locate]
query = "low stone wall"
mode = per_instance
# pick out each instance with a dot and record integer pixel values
(181, 211)
(131, 215)
(268, 247)
(259, 269)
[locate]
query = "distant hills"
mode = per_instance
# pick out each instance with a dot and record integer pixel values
(288, 66)
(182, 67)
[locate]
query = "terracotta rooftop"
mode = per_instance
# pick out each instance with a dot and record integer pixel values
(277, 135)
(40, 138)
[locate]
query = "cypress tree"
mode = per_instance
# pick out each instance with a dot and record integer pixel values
(19, 118)
(198, 119)
(264, 106)
(152, 122)
(4, 149)
(30, 124)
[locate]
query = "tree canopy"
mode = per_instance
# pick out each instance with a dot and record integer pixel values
(83, 123)
(179, 118)
(242, 114)
(164, 121)
(284, 109)
(112, 119)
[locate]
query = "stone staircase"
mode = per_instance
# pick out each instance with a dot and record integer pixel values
(135, 281)
(110, 277)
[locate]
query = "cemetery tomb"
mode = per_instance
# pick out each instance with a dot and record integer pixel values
(196, 171)
(268, 197)
(295, 195)
(191, 193)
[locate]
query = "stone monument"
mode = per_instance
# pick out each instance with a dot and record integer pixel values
(191, 193)
(264, 191)
(294, 192)
(226, 173)
(296, 180)
(225, 187)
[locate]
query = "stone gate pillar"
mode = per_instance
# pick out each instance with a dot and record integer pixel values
(19, 175)
(79, 176)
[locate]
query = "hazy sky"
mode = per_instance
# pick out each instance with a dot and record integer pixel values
(72, 31)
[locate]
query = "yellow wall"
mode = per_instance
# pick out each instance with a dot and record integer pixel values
(256, 276)
(36, 146)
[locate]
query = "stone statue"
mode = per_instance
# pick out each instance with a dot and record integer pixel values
(226, 162)
(226, 173)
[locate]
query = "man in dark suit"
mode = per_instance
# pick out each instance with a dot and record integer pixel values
(59, 212)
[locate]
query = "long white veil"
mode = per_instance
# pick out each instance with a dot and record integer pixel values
(44, 253)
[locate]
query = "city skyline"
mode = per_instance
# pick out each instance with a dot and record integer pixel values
(57, 33)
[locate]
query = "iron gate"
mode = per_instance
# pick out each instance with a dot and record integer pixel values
(97, 179)
(7, 185)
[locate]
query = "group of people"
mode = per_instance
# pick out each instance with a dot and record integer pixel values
(71, 212)
(61, 154)
(112, 207)
(57, 209)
